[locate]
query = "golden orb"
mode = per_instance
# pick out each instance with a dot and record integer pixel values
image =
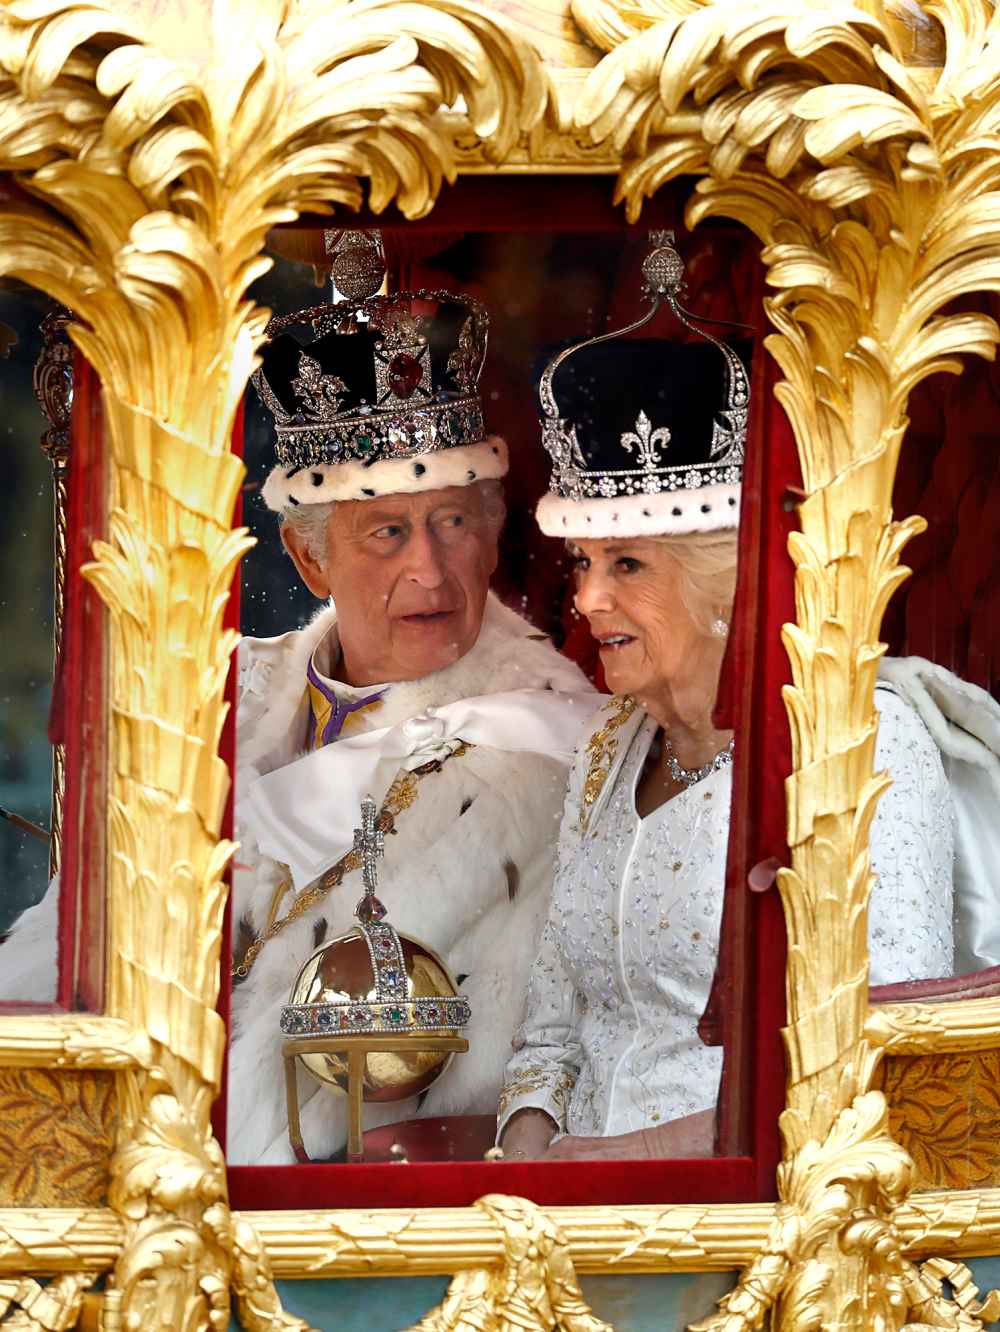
(373, 981)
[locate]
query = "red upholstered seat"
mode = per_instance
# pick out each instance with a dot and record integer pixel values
(439, 1138)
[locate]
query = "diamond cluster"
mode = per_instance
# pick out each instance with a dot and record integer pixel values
(371, 435)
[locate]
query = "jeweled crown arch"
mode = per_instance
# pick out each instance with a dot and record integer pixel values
(150, 178)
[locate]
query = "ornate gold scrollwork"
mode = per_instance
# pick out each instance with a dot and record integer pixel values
(534, 1289)
(52, 1308)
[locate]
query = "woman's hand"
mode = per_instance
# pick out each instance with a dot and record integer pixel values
(527, 1135)
(693, 1135)
(620, 1148)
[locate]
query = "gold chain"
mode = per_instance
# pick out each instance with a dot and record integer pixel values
(402, 794)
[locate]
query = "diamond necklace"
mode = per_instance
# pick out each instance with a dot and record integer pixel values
(688, 776)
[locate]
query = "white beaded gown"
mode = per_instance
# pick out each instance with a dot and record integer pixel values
(625, 963)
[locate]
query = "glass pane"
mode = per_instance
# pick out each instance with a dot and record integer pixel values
(628, 956)
(939, 703)
(26, 553)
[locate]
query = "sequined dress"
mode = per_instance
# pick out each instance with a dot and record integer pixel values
(625, 963)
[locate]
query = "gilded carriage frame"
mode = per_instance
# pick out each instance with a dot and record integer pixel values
(865, 156)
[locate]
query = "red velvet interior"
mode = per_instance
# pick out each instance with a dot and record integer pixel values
(949, 611)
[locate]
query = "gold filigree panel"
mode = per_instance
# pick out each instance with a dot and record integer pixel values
(56, 1137)
(945, 1110)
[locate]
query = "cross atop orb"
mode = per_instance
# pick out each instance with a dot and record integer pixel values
(369, 844)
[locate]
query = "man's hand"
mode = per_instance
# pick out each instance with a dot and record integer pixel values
(527, 1135)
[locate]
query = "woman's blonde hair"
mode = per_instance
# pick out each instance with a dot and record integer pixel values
(707, 561)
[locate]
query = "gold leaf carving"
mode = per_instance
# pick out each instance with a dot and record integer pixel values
(71, 1040)
(535, 1289)
(52, 1308)
(57, 1133)
(56, 1241)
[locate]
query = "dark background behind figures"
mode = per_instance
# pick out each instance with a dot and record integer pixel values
(26, 565)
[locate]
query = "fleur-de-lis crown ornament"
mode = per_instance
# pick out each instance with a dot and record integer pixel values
(646, 435)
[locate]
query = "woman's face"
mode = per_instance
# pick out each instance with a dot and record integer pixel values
(629, 590)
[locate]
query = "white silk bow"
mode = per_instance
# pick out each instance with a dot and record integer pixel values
(305, 813)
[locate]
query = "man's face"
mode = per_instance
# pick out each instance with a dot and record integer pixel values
(409, 575)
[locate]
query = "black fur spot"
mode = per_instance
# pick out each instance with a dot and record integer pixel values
(293, 500)
(513, 878)
(366, 491)
(419, 469)
(732, 501)
(319, 932)
(471, 474)
(466, 804)
(706, 508)
(316, 478)
(676, 512)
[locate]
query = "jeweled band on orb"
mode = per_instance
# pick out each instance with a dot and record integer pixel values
(438, 1014)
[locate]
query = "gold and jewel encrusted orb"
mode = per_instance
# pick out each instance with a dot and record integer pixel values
(374, 981)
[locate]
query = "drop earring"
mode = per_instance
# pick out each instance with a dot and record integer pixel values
(720, 627)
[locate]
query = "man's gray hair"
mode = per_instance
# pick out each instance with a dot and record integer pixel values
(311, 522)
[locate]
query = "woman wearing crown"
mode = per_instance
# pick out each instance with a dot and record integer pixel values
(646, 493)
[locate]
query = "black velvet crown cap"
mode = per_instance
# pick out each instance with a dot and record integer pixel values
(647, 435)
(649, 415)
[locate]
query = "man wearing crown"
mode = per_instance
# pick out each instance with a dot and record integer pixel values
(414, 684)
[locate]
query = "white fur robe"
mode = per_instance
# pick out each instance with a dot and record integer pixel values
(467, 872)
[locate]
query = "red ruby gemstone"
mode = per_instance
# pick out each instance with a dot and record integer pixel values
(404, 375)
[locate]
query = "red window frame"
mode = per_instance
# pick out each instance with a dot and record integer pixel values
(753, 985)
